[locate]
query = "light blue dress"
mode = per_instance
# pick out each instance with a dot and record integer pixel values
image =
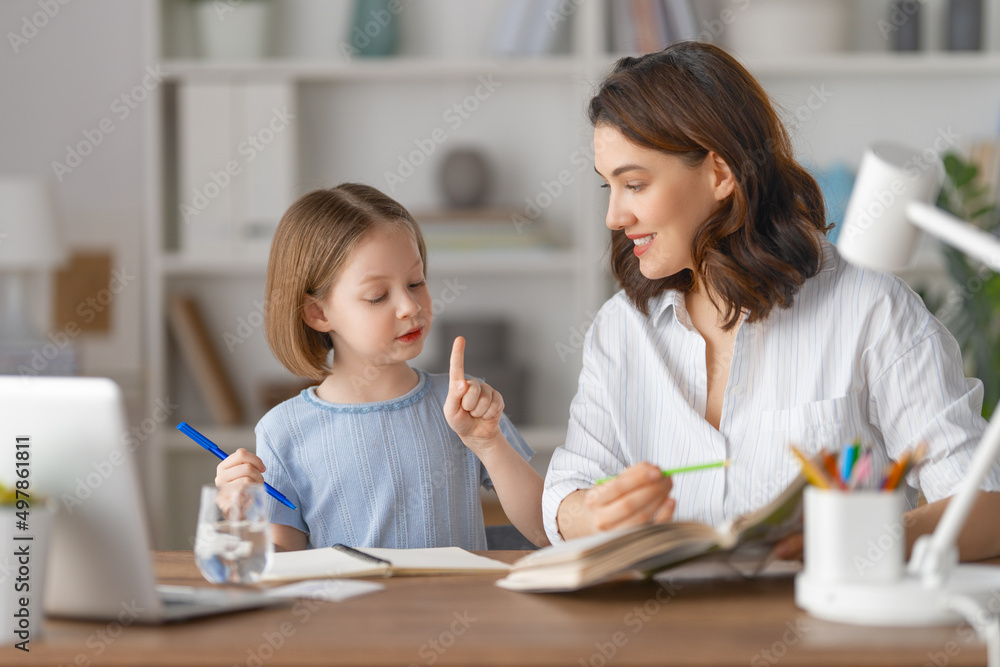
(387, 474)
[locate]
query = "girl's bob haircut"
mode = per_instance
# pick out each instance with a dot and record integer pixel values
(763, 242)
(313, 242)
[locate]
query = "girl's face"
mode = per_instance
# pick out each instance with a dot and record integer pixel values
(657, 199)
(379, 309)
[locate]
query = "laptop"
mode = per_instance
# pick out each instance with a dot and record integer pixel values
(81, 458)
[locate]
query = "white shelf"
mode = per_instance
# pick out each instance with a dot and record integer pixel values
(179, 265)
(373, 69)
(502, 262)
(871, 64)
(438, 69)
(542, 261)
(444, 69)
(879, 64)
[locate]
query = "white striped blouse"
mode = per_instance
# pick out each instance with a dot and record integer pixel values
(856, 355)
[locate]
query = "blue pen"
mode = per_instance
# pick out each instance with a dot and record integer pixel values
(848, 457)
(214, 448)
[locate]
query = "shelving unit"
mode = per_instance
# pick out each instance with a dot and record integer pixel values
(354, 121)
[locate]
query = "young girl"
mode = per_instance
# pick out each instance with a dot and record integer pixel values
(379, 454)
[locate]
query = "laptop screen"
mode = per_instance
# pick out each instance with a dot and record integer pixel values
(80, 458)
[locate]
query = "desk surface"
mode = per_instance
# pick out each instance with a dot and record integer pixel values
(466, 620)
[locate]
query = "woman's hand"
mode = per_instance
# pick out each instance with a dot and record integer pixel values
(789, 548)
(472, 408)
(639, 495)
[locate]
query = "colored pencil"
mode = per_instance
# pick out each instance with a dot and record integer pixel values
(813, 472)
(676, 471)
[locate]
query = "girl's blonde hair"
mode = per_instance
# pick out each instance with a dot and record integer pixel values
(310, 248)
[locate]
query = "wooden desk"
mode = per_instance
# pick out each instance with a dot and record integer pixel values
(469, 621)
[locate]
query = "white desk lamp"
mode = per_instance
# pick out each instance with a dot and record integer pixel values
(892, 198)
(27, 243)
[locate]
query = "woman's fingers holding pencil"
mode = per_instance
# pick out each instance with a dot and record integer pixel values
(666, 512)
(639, 495)
(790, 548)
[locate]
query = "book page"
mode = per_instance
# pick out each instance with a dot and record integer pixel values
(329, 562)
(666, 536)
(710, 569)
(438, 560)
(318, 564)
(776, 520)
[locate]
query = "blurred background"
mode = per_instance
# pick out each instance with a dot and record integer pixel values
(150, 147)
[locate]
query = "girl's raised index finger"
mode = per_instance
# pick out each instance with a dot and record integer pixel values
(457, 370)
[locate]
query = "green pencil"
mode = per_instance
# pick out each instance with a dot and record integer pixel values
(675, 471)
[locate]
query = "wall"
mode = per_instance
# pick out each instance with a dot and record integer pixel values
(65, 81)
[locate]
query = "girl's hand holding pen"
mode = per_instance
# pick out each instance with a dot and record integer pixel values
(240, 468)
(639, 495)
(472, 408)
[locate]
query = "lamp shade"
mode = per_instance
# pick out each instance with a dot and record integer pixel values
(28, 238)
(876, 232)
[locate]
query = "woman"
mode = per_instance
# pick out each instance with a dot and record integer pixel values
(739, 329)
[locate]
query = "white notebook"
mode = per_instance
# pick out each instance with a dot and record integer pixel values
(340, 561)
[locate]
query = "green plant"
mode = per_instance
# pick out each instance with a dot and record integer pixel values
(971, 311)
(9, 497)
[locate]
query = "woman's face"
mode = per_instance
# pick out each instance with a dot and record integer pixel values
(657, 200)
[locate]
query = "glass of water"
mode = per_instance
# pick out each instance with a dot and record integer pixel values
(233, 541)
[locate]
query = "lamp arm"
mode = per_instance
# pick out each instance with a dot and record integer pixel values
(956, 232)
(935, 555)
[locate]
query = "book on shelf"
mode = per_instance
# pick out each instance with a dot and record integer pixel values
(481, 229)
(650, 548)
(528, 27)
(347, 562)
(202, 359)
(236, 156)
(645, 26)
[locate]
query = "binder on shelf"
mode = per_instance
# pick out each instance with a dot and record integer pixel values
(645, 26)
(664, 28)
(511, 20)
(202, 360)
(204, 147)
(623, 39)
(682, 20)
(236, 165)
(528, 27)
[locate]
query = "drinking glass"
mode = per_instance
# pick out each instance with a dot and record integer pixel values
(233, 540)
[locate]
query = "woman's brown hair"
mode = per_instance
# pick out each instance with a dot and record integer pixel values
(763, 242)
(310, 248)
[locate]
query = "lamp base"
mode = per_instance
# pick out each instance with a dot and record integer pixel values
(904, 603)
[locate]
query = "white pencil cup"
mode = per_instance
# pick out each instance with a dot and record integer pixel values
(854, 536)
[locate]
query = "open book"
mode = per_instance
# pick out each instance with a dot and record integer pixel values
(341, 561)
(650, 548)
